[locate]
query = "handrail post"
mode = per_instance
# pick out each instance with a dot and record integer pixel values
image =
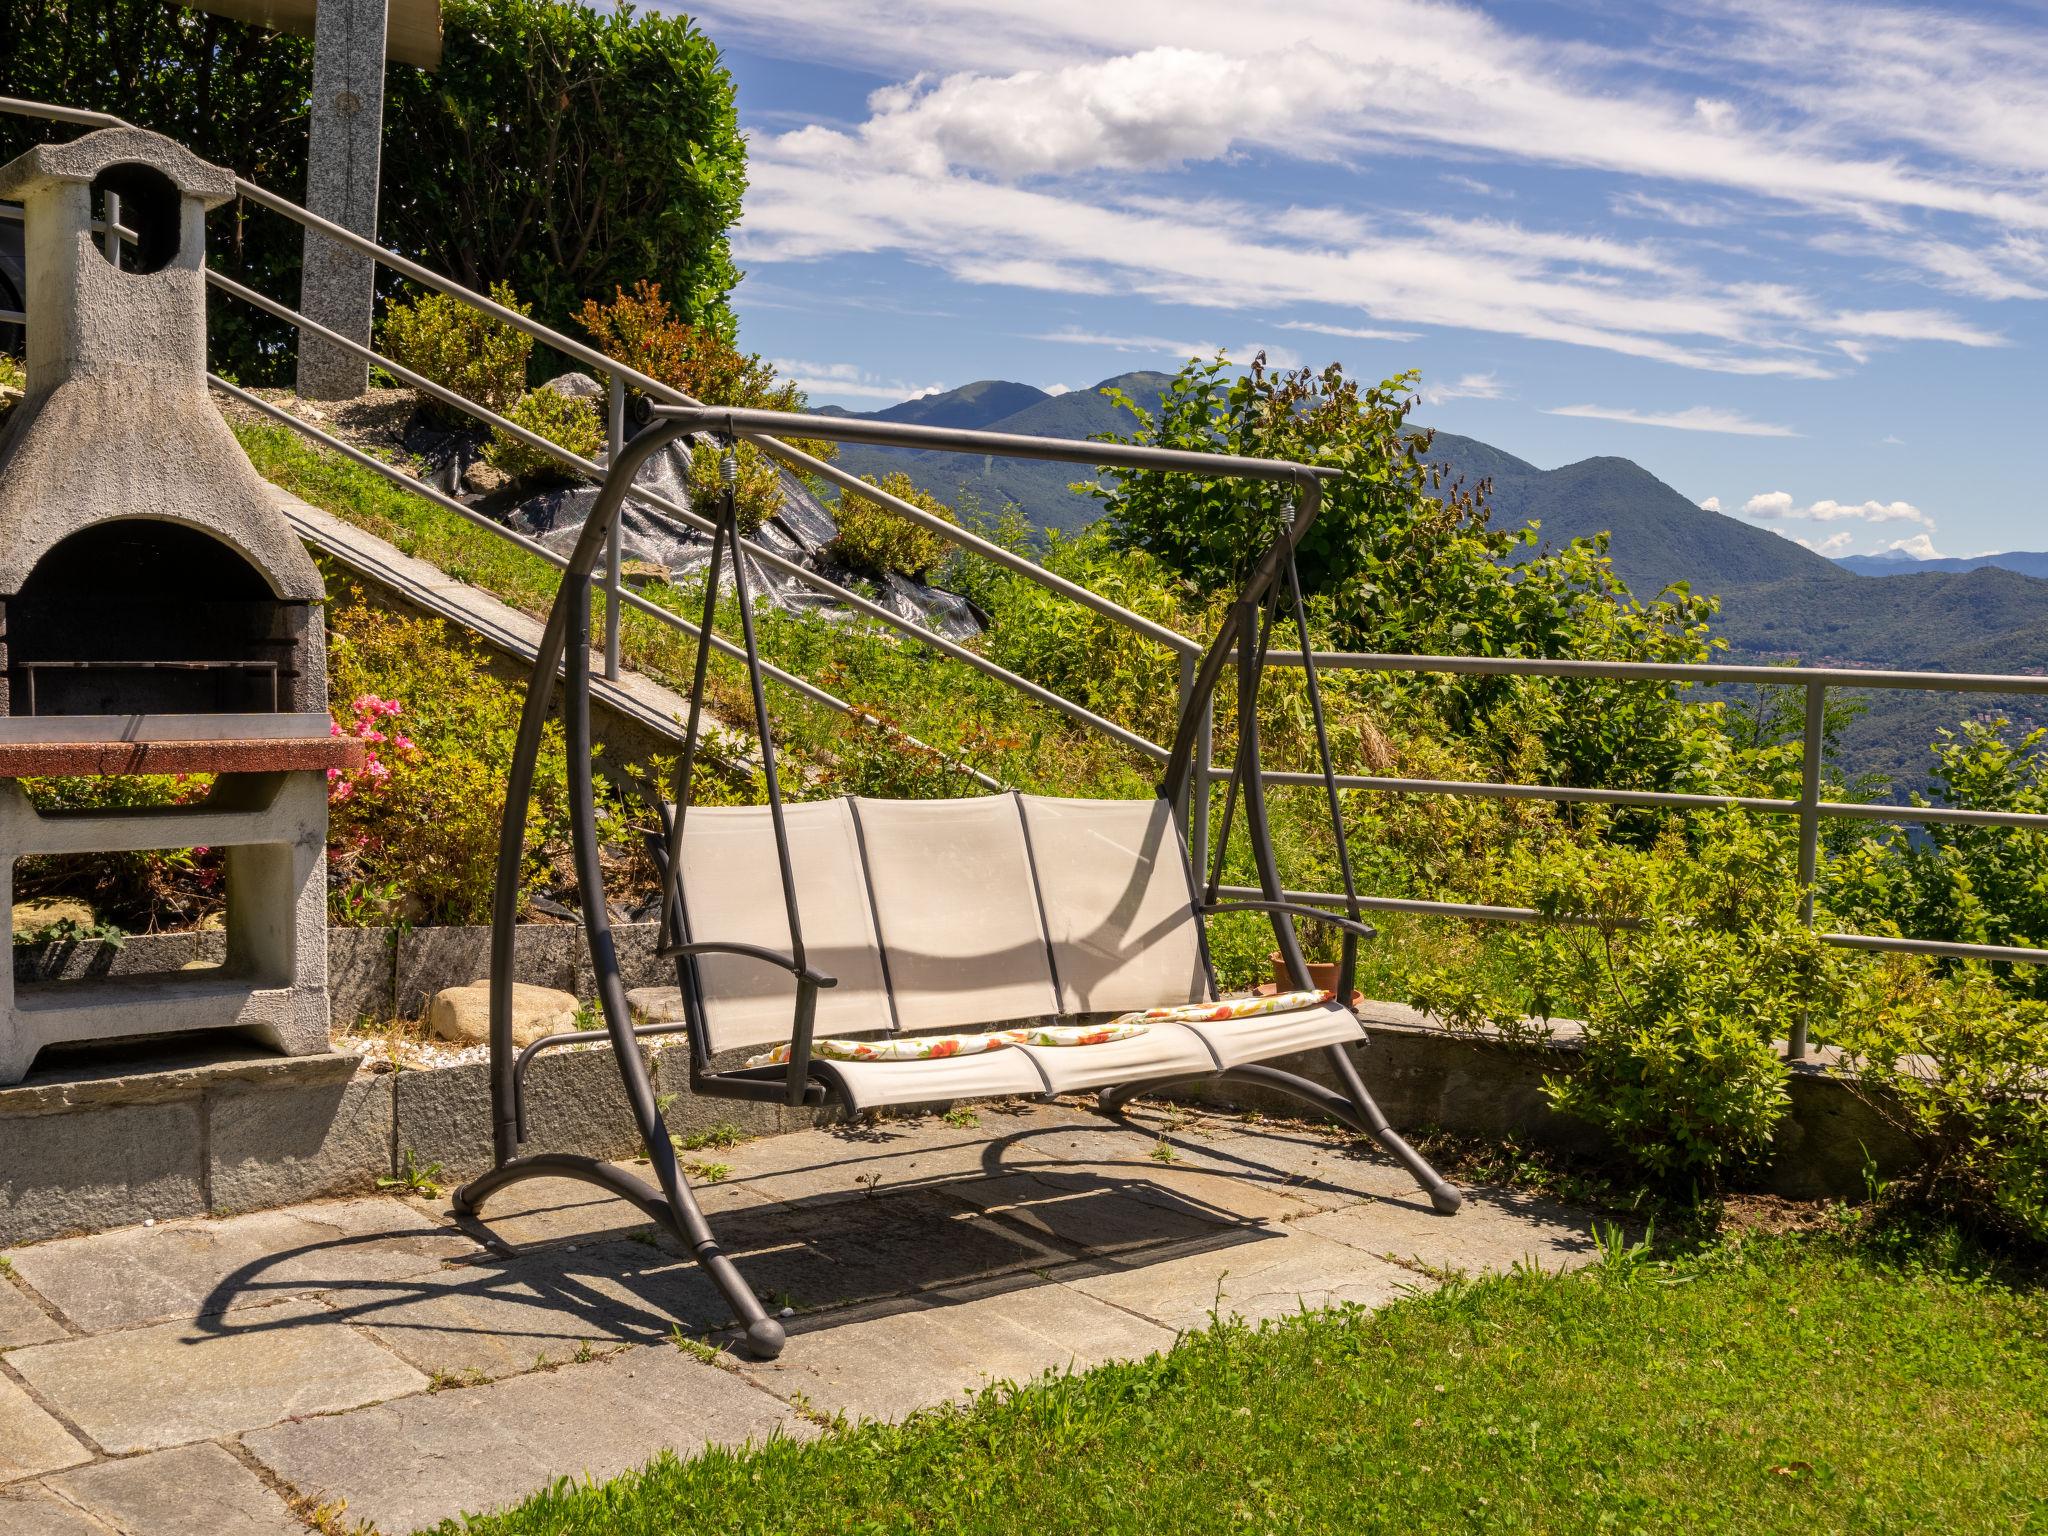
(113, 235)
(1196, 808)
(1809, 830)
(615, 439)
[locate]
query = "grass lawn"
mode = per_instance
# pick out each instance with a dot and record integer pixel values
(1795, 1384)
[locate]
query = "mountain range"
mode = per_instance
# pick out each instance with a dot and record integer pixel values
(1893, 562)
(1779, 600)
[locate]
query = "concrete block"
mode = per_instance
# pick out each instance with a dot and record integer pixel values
(194, 1490)
(174, 1383)
(360, 973)
(31, 1441)
(187, 1270)
(414, 1463)
(575, 1103)
(1831, 1136)
(107, 1167)
(270, 1146)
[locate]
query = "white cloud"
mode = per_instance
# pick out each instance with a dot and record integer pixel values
(1471, 386)
(1474, 185)
(1834, 544)
(1711, 504)
(1867, 512)
(848, 380)
(1015, 126)
(1356, 333)
(1167, 346)
(1894, 439)
(1058, 389)
(1772, 506)
(1919, 546)
(1698, 418)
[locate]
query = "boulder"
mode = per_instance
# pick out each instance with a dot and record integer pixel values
(578, 386)
(463, 1014)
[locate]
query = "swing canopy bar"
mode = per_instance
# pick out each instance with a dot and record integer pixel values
(855, 936)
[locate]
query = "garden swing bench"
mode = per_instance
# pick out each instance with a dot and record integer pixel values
(799, 925)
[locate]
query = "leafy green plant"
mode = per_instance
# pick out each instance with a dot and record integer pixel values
(414, 1177)
(720, 1134)
(461, 348)
(1958, 1065)
(69, 930)
(429, 825)
(1962, 883)
(757, 488)
(570, 422)
(878, 541)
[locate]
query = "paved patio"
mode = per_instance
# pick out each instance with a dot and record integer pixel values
(227, 1377)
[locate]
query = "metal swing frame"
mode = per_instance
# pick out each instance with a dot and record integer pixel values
(1271, 595)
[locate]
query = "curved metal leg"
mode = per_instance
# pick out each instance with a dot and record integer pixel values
(765, 1336)
(1355, 1108)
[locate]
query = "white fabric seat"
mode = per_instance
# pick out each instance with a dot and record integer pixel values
(1239, 1041)
(1003, 1074)
(1164, 1050)
(948, 915)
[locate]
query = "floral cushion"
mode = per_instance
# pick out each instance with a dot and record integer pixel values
(908, 1048)
(931, 1047)
(1076, 1034)
(1228, 1008)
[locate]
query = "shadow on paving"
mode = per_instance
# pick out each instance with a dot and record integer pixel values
(830, 1259)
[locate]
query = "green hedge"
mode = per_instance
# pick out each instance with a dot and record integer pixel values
(562, 149)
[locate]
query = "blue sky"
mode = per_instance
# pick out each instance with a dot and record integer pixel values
(1792, 256)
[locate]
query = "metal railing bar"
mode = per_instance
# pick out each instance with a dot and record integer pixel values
(591, 357)
(590, 469)
(1485, 789)
(1677, 672)
(1845, 809)
(1013, 445)
(1485, 912)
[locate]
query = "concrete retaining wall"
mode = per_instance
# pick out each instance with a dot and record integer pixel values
(113, 1143)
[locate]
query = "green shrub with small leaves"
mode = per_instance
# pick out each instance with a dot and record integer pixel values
(1959, 1066)
(879, 541)
(571, 422)
(461, 348)
(758, 488)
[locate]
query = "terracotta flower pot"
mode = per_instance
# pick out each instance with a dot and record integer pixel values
(1322, 974)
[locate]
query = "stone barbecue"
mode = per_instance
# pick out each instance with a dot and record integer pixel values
(157, 612)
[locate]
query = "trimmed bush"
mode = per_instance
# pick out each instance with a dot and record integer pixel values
(461, 348)
(563, 149)
(567, 421)
(758, 491)
(878, 540)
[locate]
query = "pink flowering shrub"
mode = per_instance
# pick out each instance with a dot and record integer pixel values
(371, 717)
(413, 833)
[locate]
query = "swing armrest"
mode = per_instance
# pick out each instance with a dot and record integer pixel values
(1349, 925)
(774, 957)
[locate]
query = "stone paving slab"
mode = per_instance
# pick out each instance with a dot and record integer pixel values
(415, 1462)
(194, 1490)
(1193, 1176)
(1266, 1277)
(27, 1510)
(192, 1268)
(22, 1321)
(923, 1354)
(147, 1388)
(1493, 1231)
(499, 1319)
(1083, 1211)
(31, 1441)
(849, 1163)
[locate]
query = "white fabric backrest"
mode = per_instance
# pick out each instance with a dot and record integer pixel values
(732, 891)
(1118, 909)
(957, 911)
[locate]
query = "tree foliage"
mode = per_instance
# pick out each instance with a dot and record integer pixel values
(561, 148)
